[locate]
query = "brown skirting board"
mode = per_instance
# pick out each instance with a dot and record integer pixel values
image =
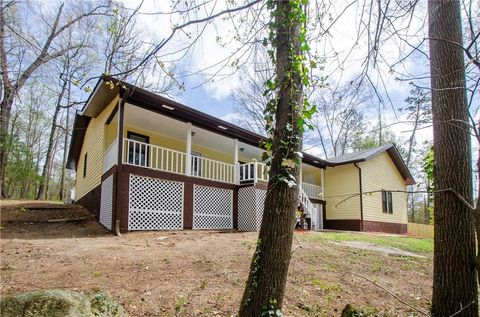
(372, 226)
(388, 227)
(344, 224)
(91, 201)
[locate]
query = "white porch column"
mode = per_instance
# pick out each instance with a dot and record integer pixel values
(322, 182)
(255, 172)
(236, 172)
(188, 160)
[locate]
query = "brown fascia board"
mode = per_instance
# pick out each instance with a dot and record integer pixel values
(78, 135)
(400, 164)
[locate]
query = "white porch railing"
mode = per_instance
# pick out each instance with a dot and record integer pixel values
(312, 191)
(154, 157)
(253, 172)
(307, 204)
(110, 156)
(213, 170)
(158, 158)
(167, 160)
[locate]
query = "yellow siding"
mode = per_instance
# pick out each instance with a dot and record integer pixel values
(312, 177)
(377, 174)
(110, 133)
(94, 146)
(340, 181)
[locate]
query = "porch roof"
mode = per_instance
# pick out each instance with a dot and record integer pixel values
(103, 93)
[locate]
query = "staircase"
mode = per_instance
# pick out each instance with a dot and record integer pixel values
(306, 203)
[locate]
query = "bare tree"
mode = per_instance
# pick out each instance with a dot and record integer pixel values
(15, 75)
(249, 98)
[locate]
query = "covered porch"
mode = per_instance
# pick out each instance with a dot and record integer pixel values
(155, 141)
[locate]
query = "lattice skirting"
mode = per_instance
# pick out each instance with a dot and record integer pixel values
(106, 202)
(212, 208)
(250, 208)
(155, 204)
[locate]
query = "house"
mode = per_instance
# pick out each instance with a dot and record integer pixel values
(382, 175)
(145, 162)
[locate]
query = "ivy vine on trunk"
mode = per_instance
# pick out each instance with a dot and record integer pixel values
(286, 115)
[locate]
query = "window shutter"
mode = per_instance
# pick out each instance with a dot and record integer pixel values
(384, 201)
(85, 165)
(390, 203)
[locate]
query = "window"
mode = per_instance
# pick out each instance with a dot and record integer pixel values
(138, 151)
(85, 165)
(387, 203)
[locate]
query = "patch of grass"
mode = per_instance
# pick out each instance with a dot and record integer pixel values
(179, 304)
(96, 273)
(377, 266)
(420, 245)
(327, 287)
(312, 310)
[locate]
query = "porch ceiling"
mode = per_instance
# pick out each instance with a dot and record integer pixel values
(158, 123)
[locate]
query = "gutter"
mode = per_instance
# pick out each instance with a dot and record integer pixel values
(361, 194)
(124, 94)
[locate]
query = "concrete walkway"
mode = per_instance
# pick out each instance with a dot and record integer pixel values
(381, 249)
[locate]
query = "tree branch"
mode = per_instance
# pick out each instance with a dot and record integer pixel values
(174, 30)
(455, 192)
(390, 293)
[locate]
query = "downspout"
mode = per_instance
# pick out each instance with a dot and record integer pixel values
(361, 194)
(124, 93)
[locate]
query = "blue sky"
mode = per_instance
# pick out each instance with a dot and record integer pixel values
(200, 99)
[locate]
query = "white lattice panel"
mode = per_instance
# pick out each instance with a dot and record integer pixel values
(250, 208)
(212, 208)
(155, 204)
(106, 203)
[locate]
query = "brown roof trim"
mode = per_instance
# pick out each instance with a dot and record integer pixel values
(400, 164)
(78, 135)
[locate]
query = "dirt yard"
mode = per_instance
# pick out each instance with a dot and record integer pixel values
(192, 273)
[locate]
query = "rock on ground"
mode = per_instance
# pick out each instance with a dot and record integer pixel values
(60, 303)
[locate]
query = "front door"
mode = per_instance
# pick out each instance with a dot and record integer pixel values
(196, 164)
(138, 151)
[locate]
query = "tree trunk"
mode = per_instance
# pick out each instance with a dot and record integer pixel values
(5, 112)
(65, 151)
(51, 141)
(265, 286)
(476, 215)
(454, 273)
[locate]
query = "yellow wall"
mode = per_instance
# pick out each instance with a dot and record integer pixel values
(377, 174)
(94, 146)
(110, 133)
(342, 180)
(312, 176)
